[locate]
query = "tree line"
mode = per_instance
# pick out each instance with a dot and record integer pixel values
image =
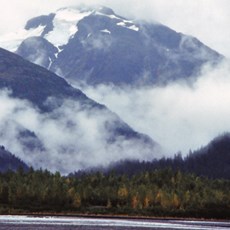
(212, 161)
(162, 192)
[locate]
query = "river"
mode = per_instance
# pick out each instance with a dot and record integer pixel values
(71, 223)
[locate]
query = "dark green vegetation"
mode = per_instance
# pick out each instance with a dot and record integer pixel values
(196, 186)
(155, 193)
(211, 161)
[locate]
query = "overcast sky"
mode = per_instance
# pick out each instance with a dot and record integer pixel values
(208, 20)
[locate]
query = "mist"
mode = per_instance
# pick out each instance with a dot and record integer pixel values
(70, 138)
(179, 116)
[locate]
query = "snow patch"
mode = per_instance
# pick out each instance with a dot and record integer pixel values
(65, 25)
(106, 31)
(131, 27)
(112, 16)
(123, 22)
(12, 41)
(51, 62)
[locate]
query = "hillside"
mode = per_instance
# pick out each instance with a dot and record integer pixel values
(212, 161)
(50, 124)
(10, 162)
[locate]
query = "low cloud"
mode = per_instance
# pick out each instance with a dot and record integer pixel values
(97, 42)
(70, 138)
(179, 116)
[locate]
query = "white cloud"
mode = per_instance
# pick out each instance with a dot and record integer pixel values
(70, 138)
(179, 117)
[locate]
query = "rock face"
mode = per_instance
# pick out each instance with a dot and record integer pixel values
(94, 45)
(52, 125)
(38, 50)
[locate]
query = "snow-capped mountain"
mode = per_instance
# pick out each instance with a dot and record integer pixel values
(50, 124)
(95, 45)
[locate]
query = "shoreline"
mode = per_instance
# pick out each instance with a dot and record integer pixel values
(111, 216)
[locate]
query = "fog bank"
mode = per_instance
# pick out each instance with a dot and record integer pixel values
(179, 116)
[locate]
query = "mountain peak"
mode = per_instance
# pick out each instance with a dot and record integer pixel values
(108, 48)
(60, 26)
(104, 10)
(93, 8)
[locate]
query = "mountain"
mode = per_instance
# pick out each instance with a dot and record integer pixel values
(212, 161)
(50, 124)
(10, 162)
(33, 83)
(95, 45)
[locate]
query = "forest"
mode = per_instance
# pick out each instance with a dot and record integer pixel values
(212, 161)
(156, 193)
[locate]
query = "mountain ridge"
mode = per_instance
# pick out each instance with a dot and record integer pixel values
(97, 46)
(51, 124)
(211, 161)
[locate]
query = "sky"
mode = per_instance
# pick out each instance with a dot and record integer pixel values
(208, 20)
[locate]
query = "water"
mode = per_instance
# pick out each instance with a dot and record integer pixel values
(71, 223)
